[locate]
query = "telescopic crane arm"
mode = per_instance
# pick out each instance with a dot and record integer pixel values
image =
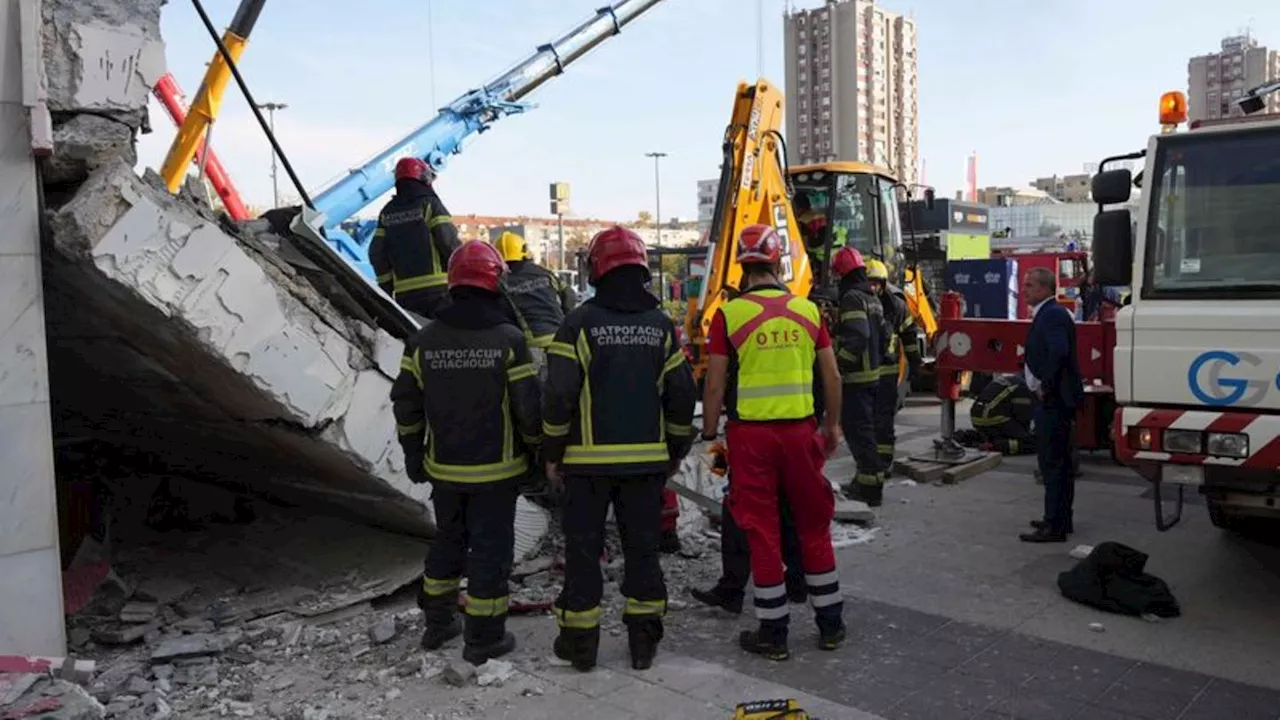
(445, 134)
(204, 109)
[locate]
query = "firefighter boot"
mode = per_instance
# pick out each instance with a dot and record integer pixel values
(578, 647)
(831, 632)
(643, 635)
(486, 638)
(872, 495)
(769, 641)
(440, 615)
(721, 597)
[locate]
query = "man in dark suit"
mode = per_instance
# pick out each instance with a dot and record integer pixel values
(1053, 374)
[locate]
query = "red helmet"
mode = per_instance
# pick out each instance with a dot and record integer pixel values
(476, 264)
(613, 248)
(846, 260)
(413, 168)
(759, 244)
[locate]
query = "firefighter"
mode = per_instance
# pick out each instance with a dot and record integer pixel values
(617, 417)
(467, 407)
(538, 294)
(762, 348)
(860, 339)
(900, 340)
(414, 241)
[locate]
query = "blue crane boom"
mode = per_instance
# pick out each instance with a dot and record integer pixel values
(445, 134)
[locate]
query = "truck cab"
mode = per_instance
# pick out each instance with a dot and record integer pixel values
(1197, 349)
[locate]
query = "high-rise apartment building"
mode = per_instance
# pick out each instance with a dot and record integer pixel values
(852, 86)
(1216, 81)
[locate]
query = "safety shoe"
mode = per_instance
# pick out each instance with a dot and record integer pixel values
(644, 646)
(578, 650)
(831, 638)
(480, 654)
(755, 642)
(719, 597)
(872, 495)
(436, 635)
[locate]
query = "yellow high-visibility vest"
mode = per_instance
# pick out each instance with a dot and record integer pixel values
(774, 334)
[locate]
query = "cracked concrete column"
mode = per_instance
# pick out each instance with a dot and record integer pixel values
(31, 592)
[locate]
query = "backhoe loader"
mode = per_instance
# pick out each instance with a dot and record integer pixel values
(838, 203)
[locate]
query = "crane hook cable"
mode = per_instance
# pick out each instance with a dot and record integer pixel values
(253, 105)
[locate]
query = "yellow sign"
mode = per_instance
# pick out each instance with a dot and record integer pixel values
(968, 247)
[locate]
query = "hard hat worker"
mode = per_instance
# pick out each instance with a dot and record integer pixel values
(538, 294)
(617, 416)
(860, 341)
(467, 407)
(899, 341)
(762, 348)
(414, 241)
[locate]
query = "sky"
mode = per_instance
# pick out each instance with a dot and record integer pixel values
(1034, 87)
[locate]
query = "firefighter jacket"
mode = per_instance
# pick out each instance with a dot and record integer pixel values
(619, 395)
(900, 336)
(860, 333)
(541, 298)
(773, 339)
(411, 248)
(466, 401)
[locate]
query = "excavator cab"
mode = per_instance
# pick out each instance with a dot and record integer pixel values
(846, 203)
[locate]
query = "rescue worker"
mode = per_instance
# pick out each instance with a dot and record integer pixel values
(467, 407)
(860, 339)
(414, 241)
(762, 349)
(900, 341)
(617, 417)
(538, 294)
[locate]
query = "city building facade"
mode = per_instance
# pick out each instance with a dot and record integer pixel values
(851, 80)
(706, 203)
(543, 234)
(1217, 80)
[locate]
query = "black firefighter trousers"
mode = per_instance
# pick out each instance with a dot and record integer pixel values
(475, 531)
(886, 410)
(637, 508)
(858, 421)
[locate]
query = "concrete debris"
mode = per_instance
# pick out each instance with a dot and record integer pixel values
(1081, 552)
(843, 536)
(530, 567)
(102, 57)
(85, 143)
(187, 646)
(53, 699)
(494, 672)
(1097, 627)
(139, 612)
(854, 511)
(164, 590)
(384, 631)
(459, 673)
(199, 671)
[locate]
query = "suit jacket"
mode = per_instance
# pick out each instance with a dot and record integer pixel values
(1051, 355)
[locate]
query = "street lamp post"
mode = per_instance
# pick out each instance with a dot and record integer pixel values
(271, 109)
(657, 192)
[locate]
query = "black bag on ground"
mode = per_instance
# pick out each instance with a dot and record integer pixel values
(1112, 579)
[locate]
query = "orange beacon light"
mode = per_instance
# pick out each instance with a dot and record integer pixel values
(1173, 109)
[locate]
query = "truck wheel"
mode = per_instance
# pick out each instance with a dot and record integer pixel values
(1221, 517)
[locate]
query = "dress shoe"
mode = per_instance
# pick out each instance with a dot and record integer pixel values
(1042, 525)
(1043, 536)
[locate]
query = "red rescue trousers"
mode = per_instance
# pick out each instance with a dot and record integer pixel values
(670, 510)
(766, 457)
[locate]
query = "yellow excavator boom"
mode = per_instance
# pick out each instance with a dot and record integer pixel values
(752, 190)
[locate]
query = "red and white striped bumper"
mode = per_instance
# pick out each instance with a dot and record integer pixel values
(1263, 432)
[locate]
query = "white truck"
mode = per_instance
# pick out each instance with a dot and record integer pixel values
(1197, 350)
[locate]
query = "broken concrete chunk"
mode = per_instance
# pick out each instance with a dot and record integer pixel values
(200, 671)
(85, 143)
(187, 646)
(536, 565)
(494, 672)
(164, 590)
(137, 685)
(854, 511)
(459, 673)
(139, 612)
(384, 631)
